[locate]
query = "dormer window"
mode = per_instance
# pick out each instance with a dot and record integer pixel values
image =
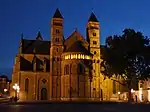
(94, 34)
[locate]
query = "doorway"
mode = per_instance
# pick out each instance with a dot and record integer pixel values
(43, 94)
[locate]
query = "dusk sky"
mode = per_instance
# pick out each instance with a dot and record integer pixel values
(28, 16)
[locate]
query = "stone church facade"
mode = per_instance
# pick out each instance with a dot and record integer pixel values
(62, 69)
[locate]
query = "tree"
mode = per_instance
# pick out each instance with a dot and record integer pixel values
(128, 56)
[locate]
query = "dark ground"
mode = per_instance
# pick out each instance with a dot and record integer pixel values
(74, 107)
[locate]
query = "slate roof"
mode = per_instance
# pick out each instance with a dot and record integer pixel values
(76, 43)
(77, 47)
(4, 77)
(35, 46)
(57, 14)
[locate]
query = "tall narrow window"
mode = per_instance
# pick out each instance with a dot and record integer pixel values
(26, 85)
(66, 69)
(57, 31)
(80, 68)
(94, 42)
(57, 39)
(70, 68)
(57, 49)
(114, 87)
(94, 34)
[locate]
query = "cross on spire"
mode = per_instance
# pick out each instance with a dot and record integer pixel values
(76, 29)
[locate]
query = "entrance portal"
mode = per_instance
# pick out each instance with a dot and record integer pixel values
(43, 94)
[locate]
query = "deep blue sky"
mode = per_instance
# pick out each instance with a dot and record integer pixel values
(28, 16)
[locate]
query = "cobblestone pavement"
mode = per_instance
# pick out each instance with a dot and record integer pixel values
(74, 107)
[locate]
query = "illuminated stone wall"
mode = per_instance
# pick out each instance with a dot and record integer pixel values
(64, 81)
(74, 84)
(35, 79)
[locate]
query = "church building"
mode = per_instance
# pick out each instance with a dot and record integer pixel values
(62, 69)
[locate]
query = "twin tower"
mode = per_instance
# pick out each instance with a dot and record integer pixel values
(62, 68)
(75, 61)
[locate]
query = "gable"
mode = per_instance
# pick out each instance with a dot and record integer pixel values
(73, 38)
(77, 47)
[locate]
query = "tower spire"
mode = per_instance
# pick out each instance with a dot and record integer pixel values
(39, 37)
(93, 18)
(57, 14)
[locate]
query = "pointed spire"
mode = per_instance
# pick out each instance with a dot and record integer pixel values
(93, 18)
(57, 14)
(39, 34)
(39, 37)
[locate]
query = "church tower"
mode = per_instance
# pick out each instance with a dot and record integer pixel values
(56, 50)
(93, 38)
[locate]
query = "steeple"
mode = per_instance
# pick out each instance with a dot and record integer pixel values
(39, 37)
(57, 14)
(93, 18)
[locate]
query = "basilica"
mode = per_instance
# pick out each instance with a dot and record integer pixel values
(64, 68)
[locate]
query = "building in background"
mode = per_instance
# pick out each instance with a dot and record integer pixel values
(62, 69)
(4, 84)
(143, 94)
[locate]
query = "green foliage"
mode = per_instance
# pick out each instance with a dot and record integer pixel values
(127, 55)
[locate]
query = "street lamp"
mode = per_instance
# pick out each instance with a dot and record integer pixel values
(16, 88)
(132, 94)
(132, 90)
(119, 94)
(5, 90)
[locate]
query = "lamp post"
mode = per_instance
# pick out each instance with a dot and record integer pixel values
(5, 90)
(132, 93)
(119, 94)
(16, 88)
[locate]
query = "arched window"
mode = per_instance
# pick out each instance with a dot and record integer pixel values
(27, 85)
(80, 68)
(66, 69)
